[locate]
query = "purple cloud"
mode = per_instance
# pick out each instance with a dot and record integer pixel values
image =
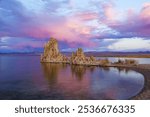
(135, 25)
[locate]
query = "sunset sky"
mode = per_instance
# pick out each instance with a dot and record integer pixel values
(94, 25)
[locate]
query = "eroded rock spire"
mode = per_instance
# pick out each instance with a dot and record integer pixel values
(51, 52)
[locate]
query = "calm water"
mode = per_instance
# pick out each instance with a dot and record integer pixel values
(24, 77)
(140, 60)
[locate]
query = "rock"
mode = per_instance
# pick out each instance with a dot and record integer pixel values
(79, 58)
(126, 62)
(131, 62)
(51, 52)
(92, 58)
(104, 62)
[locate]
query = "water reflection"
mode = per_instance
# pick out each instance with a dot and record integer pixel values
(106, 69)
(82, 82)
(51, 72)
(78, 71)
(121, 69)
(24, 77)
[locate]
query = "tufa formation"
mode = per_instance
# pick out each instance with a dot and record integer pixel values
(79, 58)
(52, 54)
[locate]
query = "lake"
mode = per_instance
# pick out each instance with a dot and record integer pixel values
(24, 77)
(139, 60)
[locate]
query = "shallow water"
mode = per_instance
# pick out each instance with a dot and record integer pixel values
(24, 77)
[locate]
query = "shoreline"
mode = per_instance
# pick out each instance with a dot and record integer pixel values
(144, 69)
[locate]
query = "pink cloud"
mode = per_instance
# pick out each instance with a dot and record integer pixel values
(71, 30)
(136, 24)
(109, 12)
(85, 16)
(145, 14)
(45, 24)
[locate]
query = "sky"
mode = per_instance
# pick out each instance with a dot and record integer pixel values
(94, 25)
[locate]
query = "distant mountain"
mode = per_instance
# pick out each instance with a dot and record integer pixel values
(145, 54)
(119, 54)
